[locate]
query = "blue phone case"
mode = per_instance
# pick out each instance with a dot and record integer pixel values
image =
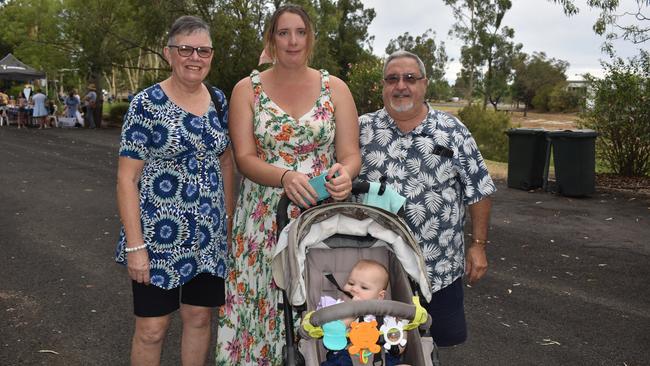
(319, 185)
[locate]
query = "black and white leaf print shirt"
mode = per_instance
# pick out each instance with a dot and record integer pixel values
(437, 185)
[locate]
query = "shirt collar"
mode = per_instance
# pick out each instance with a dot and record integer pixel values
(425, 128)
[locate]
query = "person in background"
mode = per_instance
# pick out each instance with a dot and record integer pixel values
(22, 110)
(443, 174)
(288, 124)
(39, 111)
(90, 102)
(72, 107)
(175, 197)
(52, 113)
(4, 101)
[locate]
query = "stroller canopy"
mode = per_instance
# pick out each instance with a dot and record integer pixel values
(373, 227)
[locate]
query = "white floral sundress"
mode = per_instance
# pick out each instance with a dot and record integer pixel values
(251, 326)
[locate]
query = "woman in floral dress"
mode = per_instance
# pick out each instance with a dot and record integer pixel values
(287, 124)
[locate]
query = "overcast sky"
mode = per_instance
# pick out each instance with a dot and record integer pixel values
(540, 25)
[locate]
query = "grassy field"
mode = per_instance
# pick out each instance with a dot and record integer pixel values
(498, 170)
(547, 121)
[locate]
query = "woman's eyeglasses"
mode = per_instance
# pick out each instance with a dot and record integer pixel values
(409, 78)
(187, 51)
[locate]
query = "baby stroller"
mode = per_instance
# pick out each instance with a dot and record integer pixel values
(330, 239)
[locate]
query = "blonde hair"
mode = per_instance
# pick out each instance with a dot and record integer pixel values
(269, 41)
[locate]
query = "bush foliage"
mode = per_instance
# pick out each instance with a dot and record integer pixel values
(117, 111)
(488, 129)
(365, 85)
(620, 113)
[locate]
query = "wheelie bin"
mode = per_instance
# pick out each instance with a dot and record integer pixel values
(574, 155)
(526, 157)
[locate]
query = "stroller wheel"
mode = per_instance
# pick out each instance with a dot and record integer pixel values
(298, 358)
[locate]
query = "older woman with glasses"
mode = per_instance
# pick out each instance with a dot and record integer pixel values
(175, 195)
(290, 123)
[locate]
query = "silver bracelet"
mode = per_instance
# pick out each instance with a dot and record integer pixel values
(135, 249)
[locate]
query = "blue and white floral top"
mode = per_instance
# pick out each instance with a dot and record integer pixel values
(439, 169)
(182, 203)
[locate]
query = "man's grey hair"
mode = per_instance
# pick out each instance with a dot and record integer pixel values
(187, 24)
(401, 54)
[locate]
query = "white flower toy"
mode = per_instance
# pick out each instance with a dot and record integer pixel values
(393, 331)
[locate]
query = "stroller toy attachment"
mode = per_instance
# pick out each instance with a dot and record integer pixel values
(421, 315)
(313, 331)
(335, 335)
(363, 336)
(393, 331)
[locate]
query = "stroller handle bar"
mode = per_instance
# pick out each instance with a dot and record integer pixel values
(282, 218)
(354, 309)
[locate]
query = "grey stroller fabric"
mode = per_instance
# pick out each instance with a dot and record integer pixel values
(330, 239)
(343, 224)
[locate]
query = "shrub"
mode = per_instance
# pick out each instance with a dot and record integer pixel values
(563, 100)
(365, 85)
(620, 113)
(541, 98)
(117, 112)
(488, 129)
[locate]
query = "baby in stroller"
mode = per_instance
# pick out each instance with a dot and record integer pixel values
(327, 241)
(368, 280)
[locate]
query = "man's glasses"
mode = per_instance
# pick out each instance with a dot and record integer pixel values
(409, 78)
(187, 51)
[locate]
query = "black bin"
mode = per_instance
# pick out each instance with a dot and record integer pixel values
(526, 157)
(574, 154)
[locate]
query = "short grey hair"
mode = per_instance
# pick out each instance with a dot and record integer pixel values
(401, 54)
(187, 24)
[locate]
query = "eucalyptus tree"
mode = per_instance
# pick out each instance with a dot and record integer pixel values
(535, 74)
(500, 54)
(615, 21)
(433, 55)
(342, 38)
(237, 31)
(478, 24)
(31, 31)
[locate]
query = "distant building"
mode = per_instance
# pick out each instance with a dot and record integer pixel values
(580, 87)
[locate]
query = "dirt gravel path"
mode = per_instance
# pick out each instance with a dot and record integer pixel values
(567, 283)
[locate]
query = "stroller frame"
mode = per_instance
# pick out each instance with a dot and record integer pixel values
(291, 354)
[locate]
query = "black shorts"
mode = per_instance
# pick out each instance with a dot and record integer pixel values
(203, 290)
(447, 310)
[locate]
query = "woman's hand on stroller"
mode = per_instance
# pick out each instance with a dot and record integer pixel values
(298, 190)
(339, 182)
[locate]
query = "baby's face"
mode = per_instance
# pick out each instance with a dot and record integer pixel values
(365, 284)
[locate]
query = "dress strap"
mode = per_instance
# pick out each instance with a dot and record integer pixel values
(325, 82)
(256, 81)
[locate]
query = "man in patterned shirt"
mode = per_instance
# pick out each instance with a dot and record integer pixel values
(430, 158)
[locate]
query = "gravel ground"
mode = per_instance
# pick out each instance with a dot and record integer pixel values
(567, 283)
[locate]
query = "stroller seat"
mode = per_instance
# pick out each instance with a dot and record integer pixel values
(330, 239)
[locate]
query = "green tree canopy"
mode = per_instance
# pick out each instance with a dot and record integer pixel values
(616, 23)
(534, 74)
(433, 55)
(621, 115)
